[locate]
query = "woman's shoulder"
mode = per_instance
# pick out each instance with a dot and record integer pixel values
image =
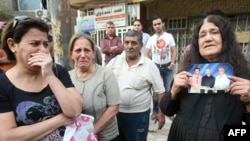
(103, 69)
(5, 82)
(71, 71)
(58, 66)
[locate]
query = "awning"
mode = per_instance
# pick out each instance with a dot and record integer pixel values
(86, 4)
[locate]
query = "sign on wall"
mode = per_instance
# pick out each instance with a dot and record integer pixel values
(86, 23)
(114, 13)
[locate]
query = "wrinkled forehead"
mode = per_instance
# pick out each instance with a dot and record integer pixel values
(208, 26)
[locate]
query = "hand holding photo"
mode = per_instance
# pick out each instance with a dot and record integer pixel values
(210, 78)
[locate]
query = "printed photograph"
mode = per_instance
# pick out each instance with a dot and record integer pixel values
(210, 78)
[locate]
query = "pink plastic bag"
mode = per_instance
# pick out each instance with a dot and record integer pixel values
(81, 130)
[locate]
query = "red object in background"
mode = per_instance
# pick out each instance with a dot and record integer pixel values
(4, 63)
(2, 24)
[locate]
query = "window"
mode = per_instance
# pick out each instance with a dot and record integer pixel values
(132, 10)
(29, 5)
(86, 12)
(90, 12)
(177, 23)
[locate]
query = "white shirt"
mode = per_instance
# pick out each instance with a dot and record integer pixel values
(221, 82)
(161, 47)
(135, 83)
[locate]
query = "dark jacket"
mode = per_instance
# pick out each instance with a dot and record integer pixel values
(189, 110)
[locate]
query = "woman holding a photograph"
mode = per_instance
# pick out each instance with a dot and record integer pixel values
(202, 117)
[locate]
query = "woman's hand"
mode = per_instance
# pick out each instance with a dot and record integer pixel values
(181, 80)
(44, 60)
(240, 87)
(64, 120)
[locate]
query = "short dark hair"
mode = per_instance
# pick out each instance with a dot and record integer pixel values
(196, 68)
(136, 20)
(110, 23)
(157, 17)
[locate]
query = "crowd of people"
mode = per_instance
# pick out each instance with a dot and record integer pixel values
(38, 97)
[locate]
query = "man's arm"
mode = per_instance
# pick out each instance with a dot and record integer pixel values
(119, 47)
(173, 58)
(174, 54)
(160, 116)
(105, 48)
(147, 52)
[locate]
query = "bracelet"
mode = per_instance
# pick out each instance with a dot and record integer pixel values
(172, 63)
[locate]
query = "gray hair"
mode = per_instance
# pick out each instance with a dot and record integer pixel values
(133, 33)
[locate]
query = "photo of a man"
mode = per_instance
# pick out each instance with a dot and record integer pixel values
(207, 81)
(221, 80)
(210, 78)
(195, 81)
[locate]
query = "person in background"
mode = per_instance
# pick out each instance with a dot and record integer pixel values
(163, 50)
(98, 54)
(136, 76)
(111, 45)
(217, 12)
(37, 98)
(97, 86)
(202, 117)
(137, 25)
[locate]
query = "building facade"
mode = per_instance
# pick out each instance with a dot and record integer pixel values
(180, 17)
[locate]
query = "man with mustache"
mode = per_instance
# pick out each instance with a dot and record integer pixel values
(137, 76)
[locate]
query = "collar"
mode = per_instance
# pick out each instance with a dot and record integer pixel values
(140, 62)
(106, 36)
